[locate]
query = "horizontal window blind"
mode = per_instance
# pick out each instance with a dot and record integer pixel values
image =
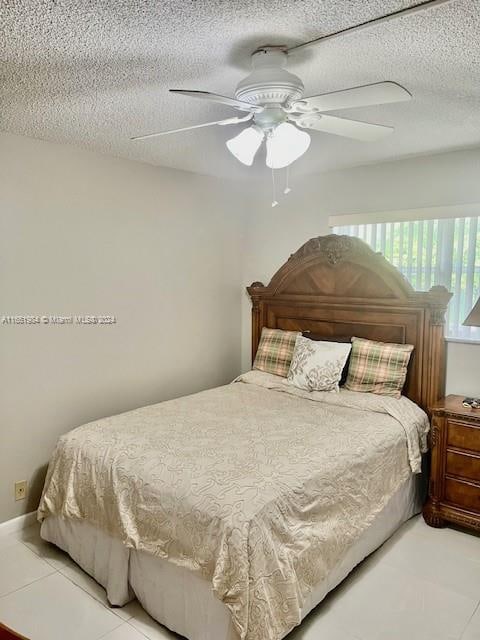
(430, 252)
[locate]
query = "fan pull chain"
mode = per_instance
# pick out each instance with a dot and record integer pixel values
(274, 200)
(287, 187)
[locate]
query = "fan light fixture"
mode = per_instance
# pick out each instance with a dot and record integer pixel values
(285, 144)
(246, 144)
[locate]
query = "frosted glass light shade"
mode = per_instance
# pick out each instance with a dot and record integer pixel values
(285, 145)
(246, 144)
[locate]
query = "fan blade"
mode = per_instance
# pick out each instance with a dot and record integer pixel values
(370, 94)
(195, 126)
(344, 127)
(214, 97)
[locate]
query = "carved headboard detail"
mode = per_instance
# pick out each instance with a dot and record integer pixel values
(337, 286)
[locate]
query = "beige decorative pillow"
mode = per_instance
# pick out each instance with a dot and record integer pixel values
(317, 365)
(275, 351)
(378, 367)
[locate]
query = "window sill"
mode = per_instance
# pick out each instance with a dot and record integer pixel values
(463, 340)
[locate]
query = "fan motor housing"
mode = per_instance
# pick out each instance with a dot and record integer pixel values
(270, 83)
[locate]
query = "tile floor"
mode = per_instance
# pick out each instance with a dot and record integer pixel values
(422, 584)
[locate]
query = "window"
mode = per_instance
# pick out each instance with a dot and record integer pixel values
(430, 252)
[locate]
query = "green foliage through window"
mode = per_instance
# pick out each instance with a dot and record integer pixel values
(430, 252)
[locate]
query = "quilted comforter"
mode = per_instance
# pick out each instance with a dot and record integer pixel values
(258, 486)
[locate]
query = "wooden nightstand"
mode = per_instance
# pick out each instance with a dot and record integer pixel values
(454, 491)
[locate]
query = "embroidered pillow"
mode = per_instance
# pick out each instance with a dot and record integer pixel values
(318, 365)
(321, 338)
(275, 351)
(378, 367)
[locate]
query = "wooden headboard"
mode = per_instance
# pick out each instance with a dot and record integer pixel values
(337, 286)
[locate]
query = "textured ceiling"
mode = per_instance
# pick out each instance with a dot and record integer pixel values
(95, 72)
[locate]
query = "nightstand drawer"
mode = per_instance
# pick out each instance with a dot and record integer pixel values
(454, 493)
(463, 494)
(463, 465)
(463, 436)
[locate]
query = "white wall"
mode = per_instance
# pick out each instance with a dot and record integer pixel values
(82, 233)
(167, 253)
(273, 234)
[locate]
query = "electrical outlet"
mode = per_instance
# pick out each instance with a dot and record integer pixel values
(20, 490)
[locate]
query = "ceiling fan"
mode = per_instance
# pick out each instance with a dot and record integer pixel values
(273, 101)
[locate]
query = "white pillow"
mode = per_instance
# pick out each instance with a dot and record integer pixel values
(317, 365)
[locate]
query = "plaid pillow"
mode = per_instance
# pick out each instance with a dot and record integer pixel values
(378, 367)
(275, 351)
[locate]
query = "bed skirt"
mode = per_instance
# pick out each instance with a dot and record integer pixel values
(183, 601)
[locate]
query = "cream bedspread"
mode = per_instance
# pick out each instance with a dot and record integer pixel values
(259, 491)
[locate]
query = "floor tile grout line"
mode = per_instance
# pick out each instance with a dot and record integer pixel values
(113, 610)
(467, 556)
(428, 582)
(5, 595)
(425, 535)
(75, 584)
(137, 630)
(39, 554)
(61, 569)
(157, 623)
(110, 631)
(109, 609)
(120, 621)
(412, 573)
(121, 625)
(35, 552)
(477, 608)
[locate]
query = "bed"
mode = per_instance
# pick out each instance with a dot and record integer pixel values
(232, 513)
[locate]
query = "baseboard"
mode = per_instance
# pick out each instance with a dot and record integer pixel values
(18, 524)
